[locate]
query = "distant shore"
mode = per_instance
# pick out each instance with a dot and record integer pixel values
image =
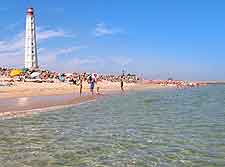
(212, 82)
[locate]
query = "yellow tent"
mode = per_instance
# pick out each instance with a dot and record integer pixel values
(15, 72)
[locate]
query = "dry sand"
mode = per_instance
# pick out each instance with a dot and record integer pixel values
(27, 89)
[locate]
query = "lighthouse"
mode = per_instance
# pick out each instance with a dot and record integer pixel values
(31, 60)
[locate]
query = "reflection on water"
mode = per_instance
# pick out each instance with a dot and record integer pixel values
(154, 128)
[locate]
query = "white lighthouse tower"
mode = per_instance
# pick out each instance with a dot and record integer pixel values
(31, 60)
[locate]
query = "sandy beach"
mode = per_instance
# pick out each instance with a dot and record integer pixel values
(28, 89)
(25, 97)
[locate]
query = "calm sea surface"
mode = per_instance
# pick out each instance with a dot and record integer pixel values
(164, 128)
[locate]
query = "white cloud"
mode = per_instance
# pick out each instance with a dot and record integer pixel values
(85, 60)
(121, 60)
(12, 50)
(17, 43)
(69, 50)
(80, 63)
(102, 29)
(59, 51)
(46, 34)
(52, 59)
(12, 45)
(93, 63)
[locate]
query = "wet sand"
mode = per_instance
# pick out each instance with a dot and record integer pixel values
(27, 105)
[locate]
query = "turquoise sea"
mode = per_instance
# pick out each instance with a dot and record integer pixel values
(158, 128)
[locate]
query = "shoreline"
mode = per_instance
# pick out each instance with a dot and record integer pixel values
(27, 98)
(32, 105)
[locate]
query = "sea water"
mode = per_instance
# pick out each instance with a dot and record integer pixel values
(163, 127)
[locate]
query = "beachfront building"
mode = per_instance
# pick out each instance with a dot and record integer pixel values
(31, 60)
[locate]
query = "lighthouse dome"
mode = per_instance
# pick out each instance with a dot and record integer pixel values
(30, 11)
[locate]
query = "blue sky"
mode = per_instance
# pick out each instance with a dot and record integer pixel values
(183, 39)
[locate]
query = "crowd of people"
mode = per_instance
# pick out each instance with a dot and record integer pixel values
(11, 75)
(40, 75)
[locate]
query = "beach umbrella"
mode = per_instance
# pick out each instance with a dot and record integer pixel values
(62, 78)
(34, 74)
(15, 72)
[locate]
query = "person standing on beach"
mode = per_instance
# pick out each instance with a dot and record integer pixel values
(97, 85)
(90, 81)
(92, 86)
(81, 84)
(121, 85)
(98, 90)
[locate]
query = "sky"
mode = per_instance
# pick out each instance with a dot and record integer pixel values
(156, 39)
